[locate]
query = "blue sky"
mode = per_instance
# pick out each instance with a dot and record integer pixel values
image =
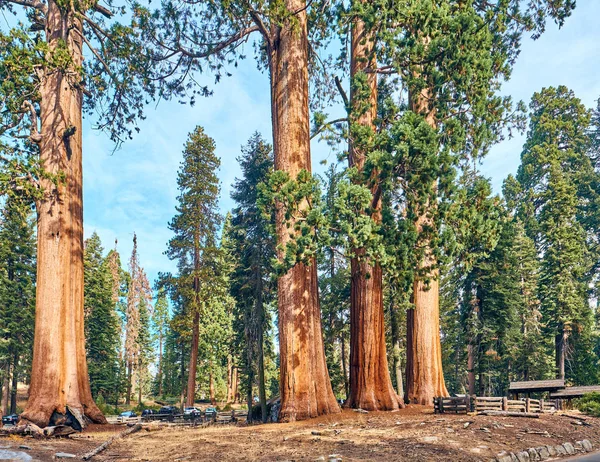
(134, 188)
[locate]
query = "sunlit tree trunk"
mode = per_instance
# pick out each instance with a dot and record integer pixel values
(59, 375)
(370, 383)
(304, 380)
(424, 372)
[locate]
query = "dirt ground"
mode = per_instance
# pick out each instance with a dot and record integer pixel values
(412, 434)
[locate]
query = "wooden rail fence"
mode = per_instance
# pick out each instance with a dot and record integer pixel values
(225, 417)
(465, 404)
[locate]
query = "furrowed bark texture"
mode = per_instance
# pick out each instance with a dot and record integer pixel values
(59, 375)
(370, 384)
(304, 381)
(424, 372)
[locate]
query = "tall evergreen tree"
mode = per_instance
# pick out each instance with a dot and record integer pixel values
(254, 246)
(195, 227)
(17, 296)
(551, 194)
(102, 327)
(160, 323)
(139, 303)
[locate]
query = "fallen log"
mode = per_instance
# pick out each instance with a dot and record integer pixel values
(107, 443)
(531, 415)
(571, 416)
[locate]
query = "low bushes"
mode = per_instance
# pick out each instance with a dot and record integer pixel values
(589, 404)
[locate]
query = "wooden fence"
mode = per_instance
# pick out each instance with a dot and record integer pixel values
(464, 404)
(226, 417)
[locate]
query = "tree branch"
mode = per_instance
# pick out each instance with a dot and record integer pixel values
(340, 88)
(35, 135)
(31, 4)
(103, 11)
(220, 46)
(331, 122)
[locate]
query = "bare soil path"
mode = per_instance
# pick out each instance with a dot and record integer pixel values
(412, 434)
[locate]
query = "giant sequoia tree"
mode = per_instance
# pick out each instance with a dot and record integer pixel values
(212, 33)
(452, 57)
(370, 384)
(46, 87)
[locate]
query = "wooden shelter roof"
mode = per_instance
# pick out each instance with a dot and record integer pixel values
(575, 392)
(536, 385)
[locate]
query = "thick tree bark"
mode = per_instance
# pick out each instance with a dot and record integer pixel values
(191, 383)
(424, 372)
(370, 383)
(59, 375)
(305, 385)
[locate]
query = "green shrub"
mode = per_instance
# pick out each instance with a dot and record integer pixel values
(589, 404)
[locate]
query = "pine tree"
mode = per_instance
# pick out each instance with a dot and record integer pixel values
(254, 246)
(555, 166)
(160, 323)
(101, 323)
(195, 227)
(334, 284)
(17, 296)
(139, 304)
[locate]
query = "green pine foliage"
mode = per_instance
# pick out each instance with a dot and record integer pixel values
(17, 289)
(102, 326)
(550, 194)
(252, 247)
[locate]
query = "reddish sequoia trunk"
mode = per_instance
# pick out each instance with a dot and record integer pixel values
(424, 372)
(59, 375)
(370, 384)
(305, 386)
(191, 383)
